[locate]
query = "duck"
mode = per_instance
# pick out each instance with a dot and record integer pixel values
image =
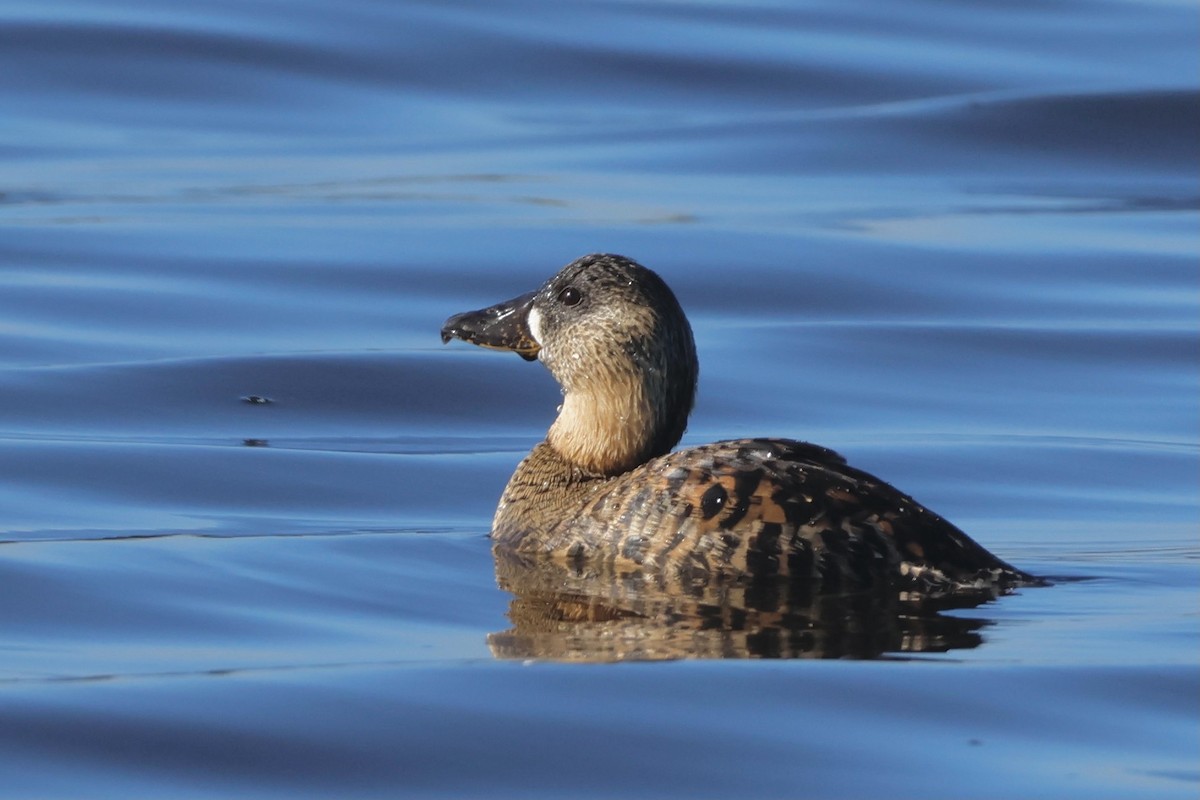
(606, 489)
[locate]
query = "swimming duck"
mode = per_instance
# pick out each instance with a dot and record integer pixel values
(605, 488)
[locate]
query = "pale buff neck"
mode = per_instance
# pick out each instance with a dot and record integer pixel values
(607, 429)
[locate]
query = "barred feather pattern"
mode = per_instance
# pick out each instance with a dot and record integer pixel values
(758, 509)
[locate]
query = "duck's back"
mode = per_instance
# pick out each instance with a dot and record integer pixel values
(768, 508)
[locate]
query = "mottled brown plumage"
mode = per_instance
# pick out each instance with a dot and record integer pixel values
(603, 489)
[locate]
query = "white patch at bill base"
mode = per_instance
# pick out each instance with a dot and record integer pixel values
(534, 322)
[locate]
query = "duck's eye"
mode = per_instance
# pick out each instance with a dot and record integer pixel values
(570, 296)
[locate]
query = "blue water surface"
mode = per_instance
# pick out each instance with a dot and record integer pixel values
(956, 242)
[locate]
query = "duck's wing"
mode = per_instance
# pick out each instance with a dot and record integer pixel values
(767, 508)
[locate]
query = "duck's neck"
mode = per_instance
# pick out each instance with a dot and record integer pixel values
(605, 433)
(618, 419)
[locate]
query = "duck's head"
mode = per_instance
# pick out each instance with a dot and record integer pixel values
(614, 337)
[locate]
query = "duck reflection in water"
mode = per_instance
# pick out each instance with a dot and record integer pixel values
(742, 547)
(574, 612)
